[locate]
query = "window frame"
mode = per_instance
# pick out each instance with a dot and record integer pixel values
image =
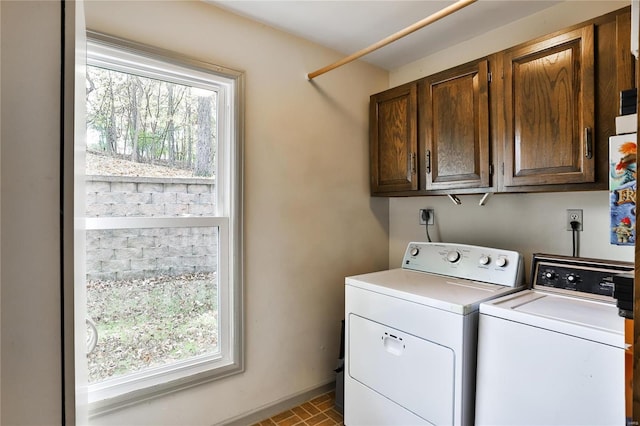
(228, 218)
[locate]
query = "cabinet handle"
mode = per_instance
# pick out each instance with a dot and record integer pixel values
(588, 144)
(413, 163)
(428, 161)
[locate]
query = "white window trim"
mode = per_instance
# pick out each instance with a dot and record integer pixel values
(130, 389)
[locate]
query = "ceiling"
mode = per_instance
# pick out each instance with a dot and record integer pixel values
(349, 26)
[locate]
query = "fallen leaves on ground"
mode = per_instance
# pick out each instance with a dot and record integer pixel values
(151, 322)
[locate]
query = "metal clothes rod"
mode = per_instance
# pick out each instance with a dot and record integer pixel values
(390, 39)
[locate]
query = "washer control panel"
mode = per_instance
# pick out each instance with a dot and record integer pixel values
(491, 265)
(579, 276)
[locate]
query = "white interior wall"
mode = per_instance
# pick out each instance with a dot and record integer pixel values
(309, 219)
(524, 222)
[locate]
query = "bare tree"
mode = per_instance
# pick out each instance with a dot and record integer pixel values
(152, 121)
(134, 115)
(204, 143)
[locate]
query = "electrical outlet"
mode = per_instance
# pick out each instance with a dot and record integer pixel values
(574, 215)
(422, 214)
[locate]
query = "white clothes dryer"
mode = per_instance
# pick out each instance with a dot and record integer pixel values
(410, 334)
(554, 355)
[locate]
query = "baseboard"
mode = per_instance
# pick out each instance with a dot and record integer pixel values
(270, 410)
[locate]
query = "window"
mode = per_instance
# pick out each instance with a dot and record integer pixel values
(159, 196)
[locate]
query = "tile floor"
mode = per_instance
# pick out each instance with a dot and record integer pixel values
(319, 411)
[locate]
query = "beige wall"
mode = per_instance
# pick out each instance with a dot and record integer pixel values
(309, 220)
(528, 223)
(554, 18)
(525, 222)
(0, 223)
(30, 312)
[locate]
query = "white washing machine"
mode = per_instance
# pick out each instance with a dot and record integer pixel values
(554, 355)
(410, 334)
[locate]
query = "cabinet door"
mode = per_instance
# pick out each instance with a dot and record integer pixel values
(549, 110)
(454, 125)
(393, 140)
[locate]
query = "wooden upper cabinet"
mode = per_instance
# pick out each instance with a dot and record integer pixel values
(549, 110)
(393, 140)
(454, 127)
(534, 119)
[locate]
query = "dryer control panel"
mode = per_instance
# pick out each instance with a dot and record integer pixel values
(591, 278)
(485, 264)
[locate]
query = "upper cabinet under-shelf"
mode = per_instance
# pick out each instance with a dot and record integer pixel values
(535, 117)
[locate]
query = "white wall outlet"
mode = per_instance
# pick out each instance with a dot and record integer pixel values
(574, 215)
(426, 213)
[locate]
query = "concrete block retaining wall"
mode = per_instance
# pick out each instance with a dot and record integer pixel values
(124, 254)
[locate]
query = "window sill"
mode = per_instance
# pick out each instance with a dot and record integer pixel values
(118, 393)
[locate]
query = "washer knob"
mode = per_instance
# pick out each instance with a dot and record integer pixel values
(414, 251)
(501, 261)
(484, 260)
(453, 256)
(572, 278)
(549, 275)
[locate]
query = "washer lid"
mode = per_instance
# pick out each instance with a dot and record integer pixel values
(583, 318)
(452, 294)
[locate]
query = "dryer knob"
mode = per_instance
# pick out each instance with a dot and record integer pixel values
(414, 251)
(484, 260)
(501, 262)
(453, 256)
